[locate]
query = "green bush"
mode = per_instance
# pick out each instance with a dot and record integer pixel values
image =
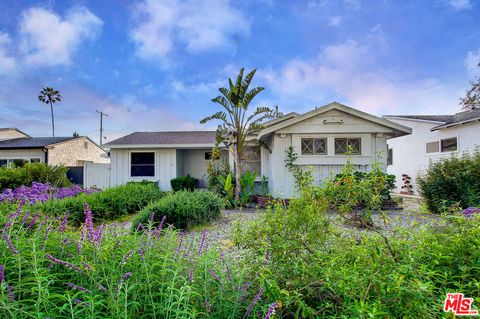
(389, 181)
(451, 181)
(217, 174)
(109, 204)
(33, 172)
(183, 209)
(184, 183)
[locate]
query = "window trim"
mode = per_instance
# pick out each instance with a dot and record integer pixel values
(154, 164)
(449, 138)
(24, 158)
(389, 156)
(313, 146)
(347, 140)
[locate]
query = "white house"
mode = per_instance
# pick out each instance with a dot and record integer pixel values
(321, 138)
(433, 137)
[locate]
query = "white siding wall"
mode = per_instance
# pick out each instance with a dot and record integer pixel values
(409, 152)
(96, 175)
(165, 167)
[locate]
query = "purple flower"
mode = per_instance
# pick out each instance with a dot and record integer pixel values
(142, 254)
(63, 263)
(63, 225)
(182, 235)
(152, 216)
(214, 275)
(11, 295)
(10, 245)
(254, 301)
(77, 301)
(125, 258)
(73, 286)
(470, 211)
(101, 287)
(46, 233)
(271, 310)
(34, 219)
(202, 242)
(87, 266)
(24, 220)
(160, 227)
(124, 277)
(89, 223)
(2, 273)
(267, 258)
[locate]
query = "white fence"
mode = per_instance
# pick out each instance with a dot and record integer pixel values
(96, 175)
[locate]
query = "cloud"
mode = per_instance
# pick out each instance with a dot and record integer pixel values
(472, 61)
(348, 72)
(7, 62)
(196, 25)
(460, 4)
(335, 21)
(48, 39)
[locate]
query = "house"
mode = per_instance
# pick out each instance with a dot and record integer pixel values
(433, 137)
(321, 138)
(18, 148)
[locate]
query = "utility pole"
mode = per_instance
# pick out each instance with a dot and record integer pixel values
(101, 125)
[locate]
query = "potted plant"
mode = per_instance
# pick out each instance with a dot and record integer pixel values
(262, 198)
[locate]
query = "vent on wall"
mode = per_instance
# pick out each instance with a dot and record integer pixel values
(333, 121)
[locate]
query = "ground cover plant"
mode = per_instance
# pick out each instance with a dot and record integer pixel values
(33, 172)
(452, 181)
(47, 271)
(183, 209)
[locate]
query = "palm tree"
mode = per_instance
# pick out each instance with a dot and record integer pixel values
(236, 125)
(50, 96)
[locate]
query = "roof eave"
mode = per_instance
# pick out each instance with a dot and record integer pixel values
(454, 124)
(143, 146)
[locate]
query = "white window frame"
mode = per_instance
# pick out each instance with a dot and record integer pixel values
(154, 165)
(448, 138)
(24, 158)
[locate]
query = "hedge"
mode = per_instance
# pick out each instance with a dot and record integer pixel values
(183, 209)
(184, 183)
(33, 172)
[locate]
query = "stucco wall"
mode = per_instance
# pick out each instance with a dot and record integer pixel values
(23, 154)
(10, 133)
(165, 167)
(409, 152)
(76, 152)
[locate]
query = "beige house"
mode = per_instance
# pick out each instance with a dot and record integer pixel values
(17, 148)
(321, 137)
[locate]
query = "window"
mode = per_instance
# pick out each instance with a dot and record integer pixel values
(85, 145)
(433, 147)
(3, 162)
(17, 162)
(208, 156)
(449, 144)
(251, 160)
(389, 156)
(143, 164)
(35, 160)
(314, 146)
(348, 146)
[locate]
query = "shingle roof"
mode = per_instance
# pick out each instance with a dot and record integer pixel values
(161, 138)
(448, 120)
(32, 142)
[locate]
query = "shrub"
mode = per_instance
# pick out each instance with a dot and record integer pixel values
(58, 273)
(217, 174)
(109, 204)
(184, 183)
(33, 172)
(183, 209)
(451, 181)
(389, 181)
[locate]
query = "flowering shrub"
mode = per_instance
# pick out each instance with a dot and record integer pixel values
(41, 192)
(47, 271)
(470, 211)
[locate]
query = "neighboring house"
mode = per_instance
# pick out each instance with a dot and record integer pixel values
(9, 133)
(321, 138)
(18, 148)
(433, 137)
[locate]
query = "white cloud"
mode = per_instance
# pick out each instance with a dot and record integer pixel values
(460, 4)
(7, 62)
(471, 62)
(335, 21)
(348, 72)
(198, 25)
(48, 39)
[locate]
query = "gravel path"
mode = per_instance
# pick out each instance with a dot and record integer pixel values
(219, 232)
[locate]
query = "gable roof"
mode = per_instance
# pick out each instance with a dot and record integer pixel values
(13, 129)
(32, 142)
(444, 120)
(398, 128)
(165, 139)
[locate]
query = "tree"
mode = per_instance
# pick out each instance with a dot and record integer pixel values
(471, 101)
(236, 122)
(50, 96)
(75, 134)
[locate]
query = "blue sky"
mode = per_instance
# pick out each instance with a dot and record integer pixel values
(156, 64)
